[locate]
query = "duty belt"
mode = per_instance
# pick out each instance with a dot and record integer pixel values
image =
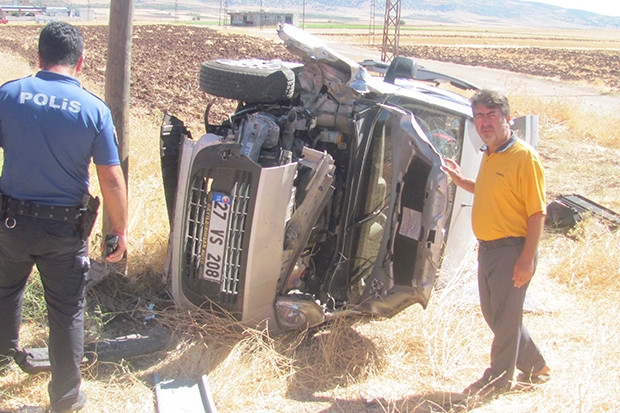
(502, 242)
(12, 207)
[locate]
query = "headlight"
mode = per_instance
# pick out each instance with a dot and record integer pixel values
(296, 313)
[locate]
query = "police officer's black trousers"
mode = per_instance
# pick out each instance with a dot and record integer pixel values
(62, 260)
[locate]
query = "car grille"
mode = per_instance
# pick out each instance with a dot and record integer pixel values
(241, 198)
(197, 209)
(225, 294)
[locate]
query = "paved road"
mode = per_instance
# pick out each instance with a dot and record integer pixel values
(588, 97)
(515, 83)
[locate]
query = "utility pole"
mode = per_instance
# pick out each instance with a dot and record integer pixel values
(391, 30)
(371, 26)
(219, 21)
(223, 13)
(117, 74)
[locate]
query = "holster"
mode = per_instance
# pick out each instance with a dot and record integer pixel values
(89, 210)
(3, 205)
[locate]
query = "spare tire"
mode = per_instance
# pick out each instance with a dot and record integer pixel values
(250, 80)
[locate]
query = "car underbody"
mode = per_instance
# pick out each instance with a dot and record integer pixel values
(322, 194)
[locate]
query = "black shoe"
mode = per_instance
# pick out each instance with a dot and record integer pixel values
(527, 382)
(79, 403)
(487, 387)
(541, 376)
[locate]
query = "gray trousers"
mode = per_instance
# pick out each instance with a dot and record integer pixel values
(502, 307)
(62, 260)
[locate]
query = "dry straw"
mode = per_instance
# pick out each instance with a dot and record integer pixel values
(417, 361)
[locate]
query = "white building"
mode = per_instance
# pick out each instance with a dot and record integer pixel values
(258, 18)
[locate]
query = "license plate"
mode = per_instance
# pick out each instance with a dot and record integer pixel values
(216, 228)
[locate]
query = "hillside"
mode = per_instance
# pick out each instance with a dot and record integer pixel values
(458, 12)
(469, 12)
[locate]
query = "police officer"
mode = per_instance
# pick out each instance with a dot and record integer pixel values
(50, 128)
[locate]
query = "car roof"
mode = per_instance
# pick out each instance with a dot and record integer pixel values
(422, 92)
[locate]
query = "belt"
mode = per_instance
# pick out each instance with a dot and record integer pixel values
(12, 207)
(502, 242)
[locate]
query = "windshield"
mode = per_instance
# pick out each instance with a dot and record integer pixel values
(444, 129)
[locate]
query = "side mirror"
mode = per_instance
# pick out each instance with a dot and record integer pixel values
(401, 67)
(526, 128)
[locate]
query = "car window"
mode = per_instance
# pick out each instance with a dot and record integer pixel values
(445, 130)
(374, 196)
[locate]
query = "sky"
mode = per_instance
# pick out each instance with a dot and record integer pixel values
(605, 7)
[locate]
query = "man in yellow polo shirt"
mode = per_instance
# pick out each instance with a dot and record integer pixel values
(507, 218)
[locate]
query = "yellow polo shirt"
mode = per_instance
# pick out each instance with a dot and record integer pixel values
(510, 187)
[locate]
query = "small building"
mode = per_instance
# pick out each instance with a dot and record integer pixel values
(85, 14)
(58, 12)
(19, 11)
(258, 18)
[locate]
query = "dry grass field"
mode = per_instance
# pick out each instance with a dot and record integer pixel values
(417, 361)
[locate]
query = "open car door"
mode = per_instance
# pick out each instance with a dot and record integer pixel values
(406, 201)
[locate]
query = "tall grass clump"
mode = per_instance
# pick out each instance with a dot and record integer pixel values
(590, 258)
(565, 119)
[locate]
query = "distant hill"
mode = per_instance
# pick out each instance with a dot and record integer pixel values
(459, 12)
(463, 12)
(498, 12)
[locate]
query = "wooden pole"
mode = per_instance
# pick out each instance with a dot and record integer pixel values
(118, 70)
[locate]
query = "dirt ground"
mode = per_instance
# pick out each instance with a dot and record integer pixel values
(166, 59)
(165, 63)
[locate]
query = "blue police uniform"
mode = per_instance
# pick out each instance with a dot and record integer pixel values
(50, 129)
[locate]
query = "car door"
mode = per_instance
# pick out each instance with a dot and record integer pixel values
(397, 233)
(450, 129)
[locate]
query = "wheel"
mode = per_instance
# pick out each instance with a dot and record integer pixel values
(249, 80)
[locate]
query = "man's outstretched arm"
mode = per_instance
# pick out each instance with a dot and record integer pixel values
(114, 191)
